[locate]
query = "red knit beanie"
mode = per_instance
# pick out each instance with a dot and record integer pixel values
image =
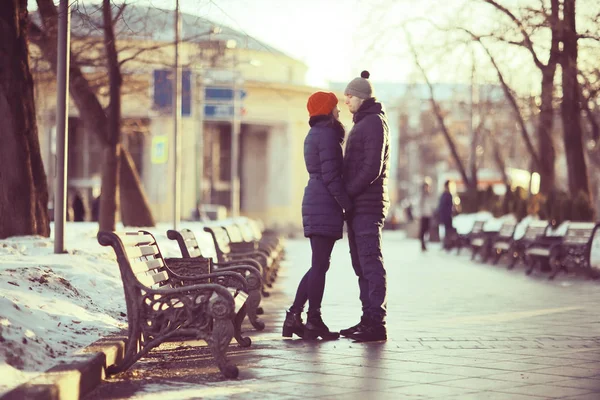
(321, 103)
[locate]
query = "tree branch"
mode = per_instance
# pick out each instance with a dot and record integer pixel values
(438, 112)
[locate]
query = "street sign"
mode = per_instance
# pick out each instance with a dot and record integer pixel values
(221, 112)
(159, 153)
(163, 91)
(218, 94)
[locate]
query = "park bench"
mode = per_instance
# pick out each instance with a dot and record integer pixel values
(251, 233)
(574, 249)
(542, 250)
(225, 253)
(481, 243)
(242, 239)
(593, 256)
(193, 259)
(465, 239)
(502, 242)
(164, 306)
(534, 229)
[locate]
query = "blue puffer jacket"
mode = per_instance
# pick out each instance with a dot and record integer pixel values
(324, 196)
(367, 160)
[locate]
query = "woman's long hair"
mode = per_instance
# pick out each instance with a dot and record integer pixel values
(334, 123)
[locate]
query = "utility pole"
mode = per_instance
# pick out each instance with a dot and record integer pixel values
(235, 147)
(62, 123)
(177, 124)
(199, 139)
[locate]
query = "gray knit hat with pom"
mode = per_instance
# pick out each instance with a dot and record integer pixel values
(361, 87)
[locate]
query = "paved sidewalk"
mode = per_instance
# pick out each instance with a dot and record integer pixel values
(458, 330)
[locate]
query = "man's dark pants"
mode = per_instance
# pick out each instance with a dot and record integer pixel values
(364, 237)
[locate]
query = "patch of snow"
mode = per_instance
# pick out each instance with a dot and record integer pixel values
(52, 305)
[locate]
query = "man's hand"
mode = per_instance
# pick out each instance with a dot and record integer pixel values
(348, 213)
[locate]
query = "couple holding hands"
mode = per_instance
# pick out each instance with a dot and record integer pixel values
(350, 186)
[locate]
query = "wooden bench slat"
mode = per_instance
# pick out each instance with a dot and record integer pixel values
(502, 246)
(187, 235)
(130, 240)
(152, 279)
(141, 251)
(477, 242)
(144, 266)
(536, 251)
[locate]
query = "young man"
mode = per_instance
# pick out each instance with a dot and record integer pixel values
(366, 169)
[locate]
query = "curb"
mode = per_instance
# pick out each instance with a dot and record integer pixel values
(77, 377)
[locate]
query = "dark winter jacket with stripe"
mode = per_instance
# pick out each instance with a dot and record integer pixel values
(325, 198)
(367, 160)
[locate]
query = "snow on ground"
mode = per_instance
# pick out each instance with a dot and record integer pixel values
(51, 305)
(54, 304)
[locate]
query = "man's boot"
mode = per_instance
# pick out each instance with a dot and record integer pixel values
(293, 324)
(372, 331)
(315, 328)
(353, 329)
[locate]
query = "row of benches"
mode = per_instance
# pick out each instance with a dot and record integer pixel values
(192, 296)
(535, 243)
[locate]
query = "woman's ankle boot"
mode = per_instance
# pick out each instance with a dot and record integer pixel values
(315, 328)
(293, 324)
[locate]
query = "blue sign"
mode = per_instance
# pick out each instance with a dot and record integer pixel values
(213, 93)
(163, 91)
(218, 111)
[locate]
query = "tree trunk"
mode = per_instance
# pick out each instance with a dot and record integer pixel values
(570, 106)
(440, 117)
(544, 132)
(94, 117)
(109, 201)
(23, 189)
(132, 213)
(546, 117)
(510, 97)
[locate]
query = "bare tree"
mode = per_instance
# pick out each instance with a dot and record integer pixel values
(548, 70)
(23, 185)
(440, 117)
(110, 170)
(135, 208)
(570, 104)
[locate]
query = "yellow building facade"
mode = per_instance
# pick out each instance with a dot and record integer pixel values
(273, 117)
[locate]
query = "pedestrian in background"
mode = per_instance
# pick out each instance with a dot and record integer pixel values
(445, 208)
(426, 208)
(323, 206)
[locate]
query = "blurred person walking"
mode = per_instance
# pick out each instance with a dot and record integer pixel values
(426, 208)
(445, 213)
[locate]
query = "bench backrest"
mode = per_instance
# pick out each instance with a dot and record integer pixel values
(187, 242)
(594, 254)
(507, 230)
(220, 238)
(254, 225)
(247, 232)
(536, 228)
(234, 233)
(478, 226)
(579, 233)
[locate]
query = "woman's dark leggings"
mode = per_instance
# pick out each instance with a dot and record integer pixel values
(312, 285)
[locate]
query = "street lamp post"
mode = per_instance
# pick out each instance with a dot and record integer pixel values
(62, 123)
(235, 150)
(177, 124)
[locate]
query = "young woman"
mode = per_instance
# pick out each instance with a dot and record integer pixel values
(323, 206)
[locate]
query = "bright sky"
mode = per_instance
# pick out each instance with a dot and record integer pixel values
(330, 36)
(339, 38)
